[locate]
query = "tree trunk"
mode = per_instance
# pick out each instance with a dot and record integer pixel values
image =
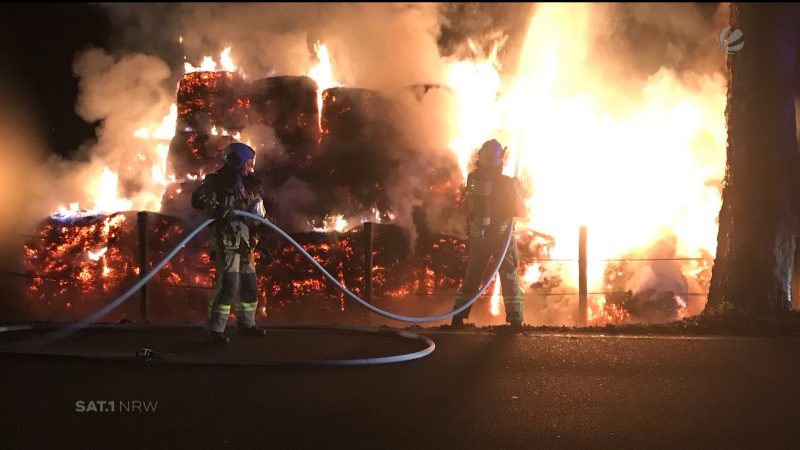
(757, 223)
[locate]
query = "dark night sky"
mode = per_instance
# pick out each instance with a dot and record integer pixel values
(37, 46)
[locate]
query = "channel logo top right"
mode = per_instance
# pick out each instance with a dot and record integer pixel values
(730, 40)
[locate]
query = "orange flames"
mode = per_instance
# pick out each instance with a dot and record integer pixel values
(103, 190)
(322, 74)
(637, 162)
(75, 255)
(334, 222)
(476, 83)
(209, 65)
(495, 305)
(152, 140)
(88, 259)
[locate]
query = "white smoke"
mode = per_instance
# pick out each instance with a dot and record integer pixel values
(388, 47)
(266, 144)
(291, 198)
(381, 46)
(372, 45)
(122, 94)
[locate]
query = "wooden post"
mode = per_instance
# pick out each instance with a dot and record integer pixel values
(582, 288)
(141, 219)
(368, 238)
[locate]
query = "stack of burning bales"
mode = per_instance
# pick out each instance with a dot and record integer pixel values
(207, 101)
(79, 262)
(357, 132)
(344, 153)
(288, 105)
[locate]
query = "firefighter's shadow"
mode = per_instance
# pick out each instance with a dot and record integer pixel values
(472, 375)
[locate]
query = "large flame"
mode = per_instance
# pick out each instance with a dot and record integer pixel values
(494, 308)
(476, 84)
(322, 74)
(106, 193)
(334, 222)
(209, 65)
(633, 163)
(103, 188)
(153, 139)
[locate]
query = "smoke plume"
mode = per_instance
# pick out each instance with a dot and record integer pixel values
(622, 53)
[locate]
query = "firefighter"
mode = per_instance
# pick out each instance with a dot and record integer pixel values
(493, 200)
(233, 240)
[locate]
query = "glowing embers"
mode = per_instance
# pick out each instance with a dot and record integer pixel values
(78, 262)
(291, 276)
(288, 105)
(212, 99)
(349, 112)
(196, 154)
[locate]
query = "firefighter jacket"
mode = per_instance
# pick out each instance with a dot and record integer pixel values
(492, 199)
(223, 190)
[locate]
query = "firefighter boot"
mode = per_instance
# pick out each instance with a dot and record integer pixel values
(216, 323)
(253, 332)
(514, 314)
(246, 315)
(218, 338)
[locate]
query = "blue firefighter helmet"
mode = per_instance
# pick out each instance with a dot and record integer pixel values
(237, 154)
(491, 154)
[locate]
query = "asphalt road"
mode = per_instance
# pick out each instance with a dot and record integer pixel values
(479, 389)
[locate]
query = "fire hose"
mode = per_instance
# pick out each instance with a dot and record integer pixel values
(375, 309)
(148, 354)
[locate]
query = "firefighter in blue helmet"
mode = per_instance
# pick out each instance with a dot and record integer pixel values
(493, 200)
(232, 240)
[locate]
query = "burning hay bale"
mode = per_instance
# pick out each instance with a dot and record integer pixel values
(441, 262)
(650, 306)
(193, 154)
(290, 276)
(356, 154)
(638, 293)
(352, 113)
(654, 306)
(208, 100)
(78, 263)
(211, 107)
(288, 105)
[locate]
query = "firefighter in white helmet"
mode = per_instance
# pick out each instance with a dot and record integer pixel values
(493, 200)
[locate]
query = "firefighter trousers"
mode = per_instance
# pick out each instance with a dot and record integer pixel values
(234, 272)
(480, 251)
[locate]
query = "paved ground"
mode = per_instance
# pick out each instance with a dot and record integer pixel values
(479, 389)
